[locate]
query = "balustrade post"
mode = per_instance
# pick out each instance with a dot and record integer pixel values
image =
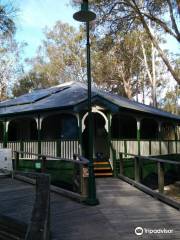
(5, 133)
(138, 136)
(149, 147)
(161, 176)
(43, 165)
(121, 164)
(84, 175)
(58, 148)
(137, 169)
(21, 148)
(114, 163)
(176, 137)
(125, 148)
(80, 133)
(168, 146)
(16, 161)
(160, 136)
(39, 123)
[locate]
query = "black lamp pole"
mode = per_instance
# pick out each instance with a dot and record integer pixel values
(86, 16)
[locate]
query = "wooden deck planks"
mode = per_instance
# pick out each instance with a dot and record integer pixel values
(16, 199)
(126, 208)
(122, 208)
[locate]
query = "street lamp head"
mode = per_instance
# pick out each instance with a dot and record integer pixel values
(84, 15)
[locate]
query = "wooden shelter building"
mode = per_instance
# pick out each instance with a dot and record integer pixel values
(54, 122)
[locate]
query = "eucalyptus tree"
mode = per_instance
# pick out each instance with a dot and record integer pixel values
(128, 15)
(170, 101)
(116, 63)
(7, 14)
(61, 56)
(9, 48)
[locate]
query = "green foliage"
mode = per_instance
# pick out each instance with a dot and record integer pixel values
(127, 16)
(170, 101)
(29, 82)
(60, 58)
(117, 63)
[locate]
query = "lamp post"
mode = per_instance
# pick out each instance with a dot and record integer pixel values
(84, 15)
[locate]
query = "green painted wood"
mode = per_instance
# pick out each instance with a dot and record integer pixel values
(125, 148)
(109, 116)
(16, 161)
(39, 136)
(138, 138)
(80, 134)
(22, 148)
(168, 148)
(160, 138)
(149, 147)
(39, 141)
(160, 149)
(5, 135)
(58, 148)
(121, 163)
(161, 176)
(176, 138)
(137, 169)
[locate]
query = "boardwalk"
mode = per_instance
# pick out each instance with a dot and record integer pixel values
(122, 209)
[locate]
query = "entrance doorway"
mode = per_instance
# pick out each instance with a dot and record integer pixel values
(101, 148)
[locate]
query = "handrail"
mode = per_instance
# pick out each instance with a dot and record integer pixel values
(151, 158)
(81, 160)
(138, 175)
(80, 175)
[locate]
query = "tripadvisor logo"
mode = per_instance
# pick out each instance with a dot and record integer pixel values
(139, 231)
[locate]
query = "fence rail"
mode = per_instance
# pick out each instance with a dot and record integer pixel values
(80, 171)
(54, 148)
(138, 171)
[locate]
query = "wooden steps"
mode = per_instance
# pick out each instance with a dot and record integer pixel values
(102, 169)
(109, 174)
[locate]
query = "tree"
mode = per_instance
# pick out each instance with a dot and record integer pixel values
(10, 65)
(7, 13)
(61, 57)
(116, 64)
(9, 49)
(28, 82)
(170, 101)
(128, 15)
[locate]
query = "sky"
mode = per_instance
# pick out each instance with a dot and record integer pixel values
(35, 15)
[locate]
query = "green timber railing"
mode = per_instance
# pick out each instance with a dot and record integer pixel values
(138, 163)
(68, 176)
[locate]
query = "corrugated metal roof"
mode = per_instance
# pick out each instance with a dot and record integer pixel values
(69, 95)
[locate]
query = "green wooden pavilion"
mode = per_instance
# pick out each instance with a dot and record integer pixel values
(54, 122)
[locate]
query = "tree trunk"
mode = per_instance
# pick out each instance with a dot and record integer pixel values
(156, 45)
(154, 98)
